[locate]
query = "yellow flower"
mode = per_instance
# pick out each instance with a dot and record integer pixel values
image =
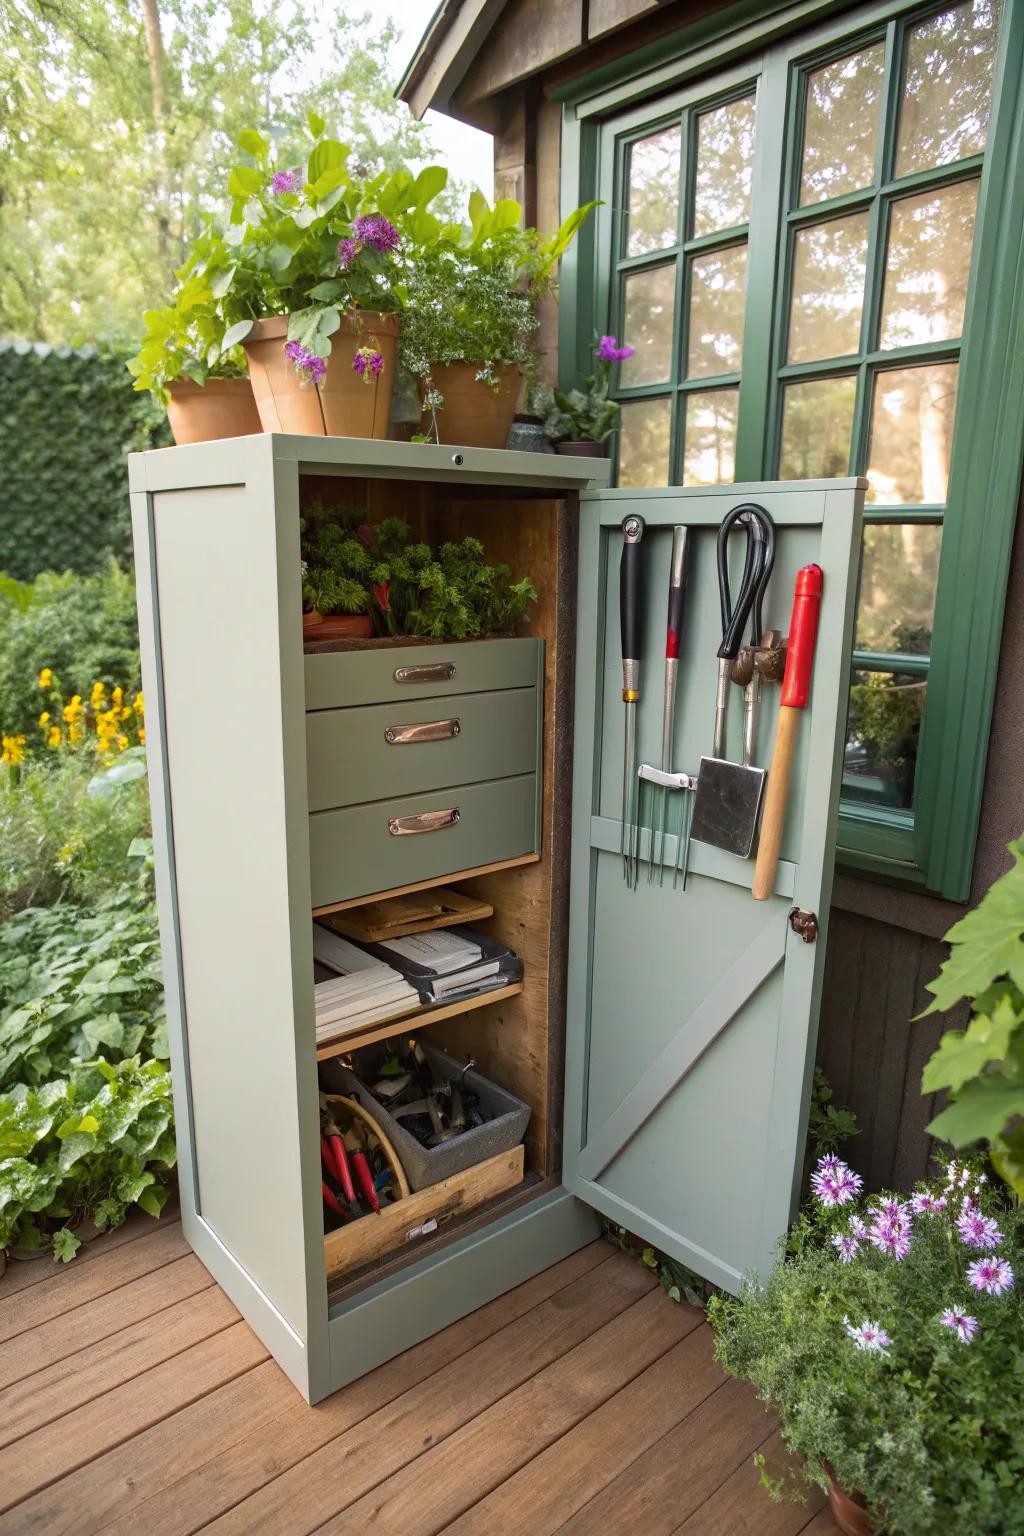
(122, 742)
(142, 735)
(74, 709)
(12, 750)
(118, 697)
(46, 677)
(53, 737)
(138, 705)
(99, 693)
(44, 718)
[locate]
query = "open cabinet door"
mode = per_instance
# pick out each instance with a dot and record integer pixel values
(692, 1014)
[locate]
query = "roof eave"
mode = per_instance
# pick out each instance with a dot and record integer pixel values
(444, 53)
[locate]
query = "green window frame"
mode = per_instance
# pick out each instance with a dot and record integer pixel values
(771, 48)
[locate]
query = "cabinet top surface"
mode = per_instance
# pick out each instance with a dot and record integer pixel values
(238, 460)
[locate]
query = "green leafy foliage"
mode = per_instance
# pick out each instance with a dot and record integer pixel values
(983, 1065)
(932, 1434)
(69, 420)
(585, 414)
(829, 1126)
(84, 627)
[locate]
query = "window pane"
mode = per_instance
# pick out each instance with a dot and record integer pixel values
(947, 86)
(648, 305)
(718, 292)
(882, 730)
(709, 443)
(929, 257)
(828, 289)
(898, 571)
(643, 442)
(725, 160)
(817, 423)
(653, 178)
(911, 435)
(841, 125)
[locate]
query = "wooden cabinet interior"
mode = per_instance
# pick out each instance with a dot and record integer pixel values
(517, 1038)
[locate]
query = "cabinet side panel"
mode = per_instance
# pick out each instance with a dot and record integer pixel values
(224, 720)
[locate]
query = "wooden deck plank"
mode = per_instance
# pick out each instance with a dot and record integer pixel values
(54, 1391)
(81, 1282)
(212, 1483)
(435, 1489)
(87, 1325)
(539, 1498)
(51, 1452)
(21, 1273)
(741, 1507)
(381, 1444)
(822, 1524)
(674, 1478)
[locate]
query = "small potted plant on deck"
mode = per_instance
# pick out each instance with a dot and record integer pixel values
(469, 325)
(583, 421)
(889, 1338)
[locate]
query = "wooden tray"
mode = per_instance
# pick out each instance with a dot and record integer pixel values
(419, 1216)
(439, 907)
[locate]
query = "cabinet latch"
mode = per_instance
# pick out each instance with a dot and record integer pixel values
(804, 923)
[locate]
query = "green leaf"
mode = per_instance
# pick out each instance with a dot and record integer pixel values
(153, 1200)
(315, 123)
(235, 334)
(65, 1245)
(104, 1029)
(96, 979)
(986, 944)
(325, 156)
(245, 181)
(253, 143)
(334, 177)
(430, 181)
(1007, 1154)
(963, 1054)
(74, 1147)
(479, 214)
(980, 1111)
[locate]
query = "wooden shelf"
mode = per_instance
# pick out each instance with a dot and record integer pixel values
(416, 1019)
(425, 885)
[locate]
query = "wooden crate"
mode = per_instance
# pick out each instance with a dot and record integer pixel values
(353, 1246)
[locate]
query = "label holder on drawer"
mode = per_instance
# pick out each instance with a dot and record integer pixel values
(426, 672)
(429, 730)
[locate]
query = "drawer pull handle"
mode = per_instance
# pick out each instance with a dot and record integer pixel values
(427, 672)
(430, 730)
(429, 821)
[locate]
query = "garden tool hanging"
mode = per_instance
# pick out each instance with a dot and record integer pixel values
(729, 794)
(664, 779)
(630, 628)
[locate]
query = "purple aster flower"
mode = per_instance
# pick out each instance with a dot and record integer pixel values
(305, 361)
(894, 1211)
(609, 351)
(962, 1323)
(925, 1204)
(976, 1229)
(846, 1247)
(367, 362)
(858, 1228)
(374, 230)
(890, 1238)
(869, 1336)
(992, 1275)
(285, 182)
(348, 250)
(834, 1183)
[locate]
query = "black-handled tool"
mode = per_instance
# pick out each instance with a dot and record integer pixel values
(630, 628)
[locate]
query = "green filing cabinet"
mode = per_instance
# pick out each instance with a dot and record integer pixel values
(683, 1021)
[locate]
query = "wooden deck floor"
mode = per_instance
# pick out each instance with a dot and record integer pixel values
(134, 1399)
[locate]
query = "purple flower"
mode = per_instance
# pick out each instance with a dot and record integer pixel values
(858, 1228)
(889, 1238)
(609, 351)
(847, 1247)
(976, 1229)
(367, 362)
(285, 182)
(962, 1323)
(348, 250)
(924, 1204)
(834, 1183)
(992, 1275)
(374, 230)
(871, 1337)
(306, 362)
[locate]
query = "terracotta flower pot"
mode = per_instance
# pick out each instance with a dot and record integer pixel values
(198, 413)
(345, 403)
(474, 415)
(849, 1511)
(582, 448)
(336, 626)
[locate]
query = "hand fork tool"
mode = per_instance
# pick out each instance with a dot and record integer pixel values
(630, 629)
(673, 633)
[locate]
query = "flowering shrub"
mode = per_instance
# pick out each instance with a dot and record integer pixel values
(890, 1340)
(585, 414)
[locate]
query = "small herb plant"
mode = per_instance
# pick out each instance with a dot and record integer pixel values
(186, 338)
(585, 414)
(453, 594)
(982, 1066)
(890, 1341)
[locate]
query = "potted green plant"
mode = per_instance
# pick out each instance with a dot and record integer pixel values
(336, 570)
(468, 329)
(582, 421)
(183, 361)
(885, 721)
(889, 1339)
(317, 274)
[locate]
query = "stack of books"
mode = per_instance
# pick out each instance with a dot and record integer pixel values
(447, 964)
(363, 990)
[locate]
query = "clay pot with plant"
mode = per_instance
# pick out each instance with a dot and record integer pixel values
(582, 421)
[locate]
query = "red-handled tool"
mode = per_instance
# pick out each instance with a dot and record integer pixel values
(796, 684)
(362, 1172)
(331, 1199)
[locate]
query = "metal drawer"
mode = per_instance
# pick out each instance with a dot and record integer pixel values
(378, 847)
(383, 750)
(341, 679)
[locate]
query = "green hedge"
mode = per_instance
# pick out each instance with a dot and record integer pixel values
(67, 420)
